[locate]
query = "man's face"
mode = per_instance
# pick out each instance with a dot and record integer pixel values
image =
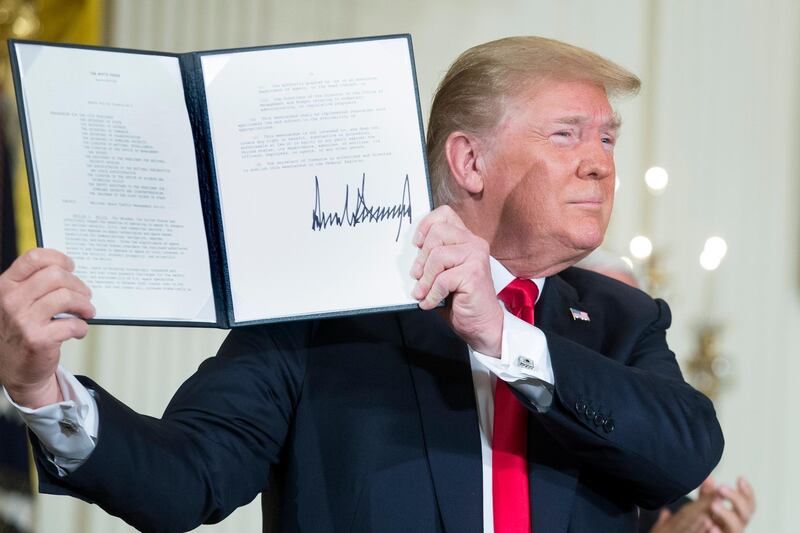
(550, 175)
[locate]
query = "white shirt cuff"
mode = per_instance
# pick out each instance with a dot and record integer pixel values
(524, 353)
(68, 429)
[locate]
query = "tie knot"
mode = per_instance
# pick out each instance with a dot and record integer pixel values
(519, 297)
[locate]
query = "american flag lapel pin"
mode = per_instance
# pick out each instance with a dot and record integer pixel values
(577, 314)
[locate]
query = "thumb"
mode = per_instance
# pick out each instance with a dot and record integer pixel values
(663, 516)
(708, 486)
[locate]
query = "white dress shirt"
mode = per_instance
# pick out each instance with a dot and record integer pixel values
(68, 430)
(521, 341)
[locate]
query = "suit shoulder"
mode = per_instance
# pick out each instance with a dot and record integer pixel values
(611, 293)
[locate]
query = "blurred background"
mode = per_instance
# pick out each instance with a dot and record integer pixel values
(714, 229)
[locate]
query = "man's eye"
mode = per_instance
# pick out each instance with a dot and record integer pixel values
(564, 137)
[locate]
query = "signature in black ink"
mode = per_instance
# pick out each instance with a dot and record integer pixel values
(363, 212)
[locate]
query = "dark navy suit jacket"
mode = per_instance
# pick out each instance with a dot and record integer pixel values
(369, 423)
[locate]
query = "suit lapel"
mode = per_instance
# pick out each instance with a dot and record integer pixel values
(553, 313)
(442, 378)
(552, 477)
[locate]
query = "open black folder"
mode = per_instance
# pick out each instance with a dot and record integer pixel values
(228, 187)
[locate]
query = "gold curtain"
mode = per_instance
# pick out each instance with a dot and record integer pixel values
(69, 21)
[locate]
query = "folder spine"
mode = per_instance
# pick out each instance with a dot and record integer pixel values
(212, 215)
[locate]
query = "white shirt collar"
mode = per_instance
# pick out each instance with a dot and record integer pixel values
(502, 277)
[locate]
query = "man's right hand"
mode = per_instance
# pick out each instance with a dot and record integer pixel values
(36, 287)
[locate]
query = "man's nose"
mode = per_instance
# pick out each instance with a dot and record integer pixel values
(597, 162)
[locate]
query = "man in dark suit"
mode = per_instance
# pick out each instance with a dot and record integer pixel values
(401, 421)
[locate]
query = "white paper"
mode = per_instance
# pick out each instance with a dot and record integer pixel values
(321, 174)
(116, 179)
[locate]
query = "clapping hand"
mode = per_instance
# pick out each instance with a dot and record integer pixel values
(719, 509)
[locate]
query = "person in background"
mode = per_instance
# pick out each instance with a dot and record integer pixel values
(718, 508)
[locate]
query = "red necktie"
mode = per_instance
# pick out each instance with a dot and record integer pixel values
(510, 492)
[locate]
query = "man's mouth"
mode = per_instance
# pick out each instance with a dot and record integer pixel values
(587, 202)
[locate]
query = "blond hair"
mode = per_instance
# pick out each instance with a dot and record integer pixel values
(470, 97)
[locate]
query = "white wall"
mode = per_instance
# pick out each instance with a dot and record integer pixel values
(719, 111)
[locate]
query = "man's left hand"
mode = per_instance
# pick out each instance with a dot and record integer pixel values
(453, 261)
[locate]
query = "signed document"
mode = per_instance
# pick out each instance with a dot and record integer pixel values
(230, 187)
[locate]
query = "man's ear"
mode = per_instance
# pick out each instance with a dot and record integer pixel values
(463, 157)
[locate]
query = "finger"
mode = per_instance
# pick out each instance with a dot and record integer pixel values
(726, 519)
(663, 516)
(443, 213)
(747, 489)
(691, 517)
(440, 234)
(708, 486)
(698, 524)
(64, 329)
(439, 260)
(694, 523)
(444, 284)
(705, 525)
(49, 279)
(35, 260)
(42, 341)
(62, 301)
(741, 505)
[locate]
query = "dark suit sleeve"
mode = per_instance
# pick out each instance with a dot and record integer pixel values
(212, 450)
(649, 517)
(630, 418)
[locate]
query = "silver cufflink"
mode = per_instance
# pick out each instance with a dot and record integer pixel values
(524, 362)
(68, 428)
